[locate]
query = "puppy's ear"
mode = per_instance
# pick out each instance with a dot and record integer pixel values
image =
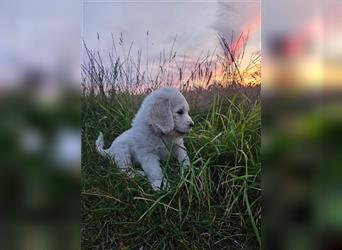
(161, 115)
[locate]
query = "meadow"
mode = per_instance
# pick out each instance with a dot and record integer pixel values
(216, 202)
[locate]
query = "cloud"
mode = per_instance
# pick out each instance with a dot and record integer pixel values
(239, 17)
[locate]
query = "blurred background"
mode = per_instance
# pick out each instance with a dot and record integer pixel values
(40, 124)
(302, 124)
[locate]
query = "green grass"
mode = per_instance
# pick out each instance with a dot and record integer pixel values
(215, 204)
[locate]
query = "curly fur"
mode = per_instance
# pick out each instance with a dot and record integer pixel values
(161, 121)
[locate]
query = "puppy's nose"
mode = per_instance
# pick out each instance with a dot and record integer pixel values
(191, 124)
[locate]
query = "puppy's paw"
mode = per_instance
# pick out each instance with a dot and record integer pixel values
(132, 173)
(186, 163)
(159, 185)
(141, 173)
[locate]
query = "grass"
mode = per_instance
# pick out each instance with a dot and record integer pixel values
(214, 204)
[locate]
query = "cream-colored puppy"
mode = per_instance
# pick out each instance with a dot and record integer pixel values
(161, 121)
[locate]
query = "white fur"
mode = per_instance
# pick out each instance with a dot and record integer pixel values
(156, 127)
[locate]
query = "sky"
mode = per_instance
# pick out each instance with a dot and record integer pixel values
(194, 24)
(39, 34)
(44, 35)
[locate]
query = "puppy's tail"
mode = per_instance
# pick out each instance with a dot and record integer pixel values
(100, 144)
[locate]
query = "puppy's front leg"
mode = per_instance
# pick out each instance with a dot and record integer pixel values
(181, 155)
(151, 165)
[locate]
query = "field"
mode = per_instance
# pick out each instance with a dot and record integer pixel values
(215, 204)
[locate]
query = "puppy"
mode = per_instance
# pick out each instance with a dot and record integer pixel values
(159, 125)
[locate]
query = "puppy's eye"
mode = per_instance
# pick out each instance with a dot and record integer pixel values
(180, 112)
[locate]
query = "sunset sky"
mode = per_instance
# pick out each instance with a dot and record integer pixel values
(196, 24)
(45, 35)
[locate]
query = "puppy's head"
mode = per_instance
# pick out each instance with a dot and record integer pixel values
(169, 113)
